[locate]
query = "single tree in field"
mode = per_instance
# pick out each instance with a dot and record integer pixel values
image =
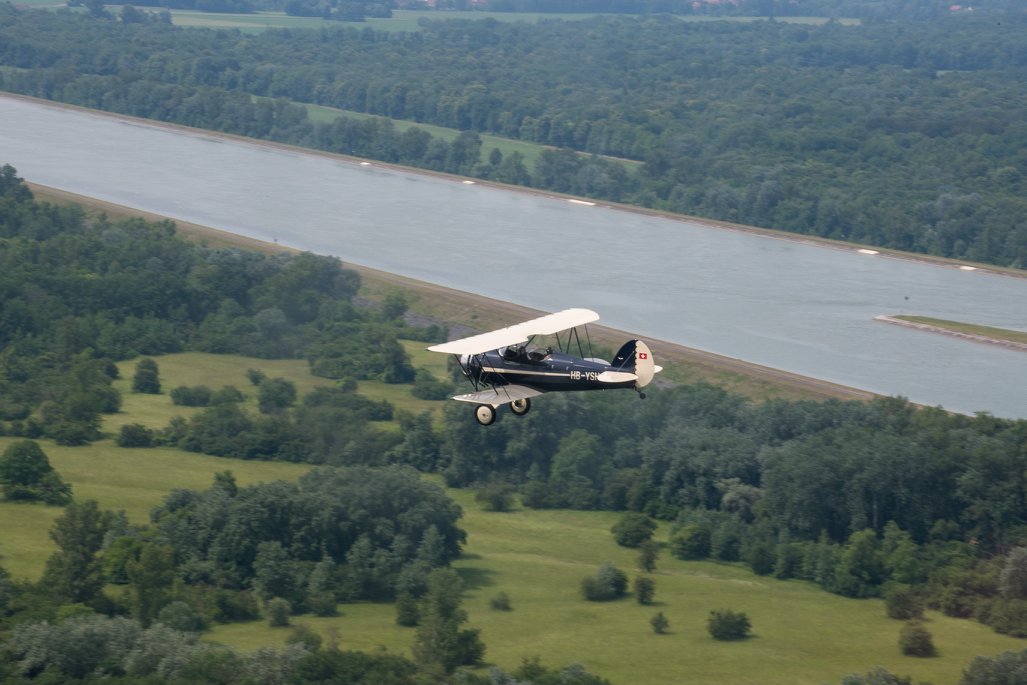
(608, 583)
(648, 553)
(645, 590)
(633, 529)
(147, 377)
(728, 625)
(659, 623)
(26, 474)
(916, 640)
(278, 611)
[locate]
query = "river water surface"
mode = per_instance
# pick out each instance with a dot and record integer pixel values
(790, 305)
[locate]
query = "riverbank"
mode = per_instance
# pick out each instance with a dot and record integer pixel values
(477, 313)
(951, 328)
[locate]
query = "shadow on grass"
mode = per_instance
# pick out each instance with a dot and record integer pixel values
(476, 578)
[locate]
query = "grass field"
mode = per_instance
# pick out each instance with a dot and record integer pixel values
(216, 371)
(970, 328)
(538, 558)
(801, 634)
(507, 146)
(133, 480)
(136, 480)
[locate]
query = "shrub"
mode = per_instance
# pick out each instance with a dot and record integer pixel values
(278, 611)
(902, 602)
(1009, 617)
(659, 623)
(407, 613)
(916, 640)
(179, 615)
(228, 394)
(255, 376)
(147, 377)
(427, 387)
(728, 625)
(135, 435)
(495, 496)
(648, 553)
(691, 542)
(761, 559)
(235, 605)
(608, 583)
(195, 396)
(645, 590)
(306, 636)
(633, 529)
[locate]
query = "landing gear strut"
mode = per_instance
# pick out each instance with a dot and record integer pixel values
(485, 414)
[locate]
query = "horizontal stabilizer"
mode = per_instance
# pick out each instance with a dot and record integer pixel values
(616, 377)
(503, 394)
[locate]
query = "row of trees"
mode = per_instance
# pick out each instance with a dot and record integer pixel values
(905, 135)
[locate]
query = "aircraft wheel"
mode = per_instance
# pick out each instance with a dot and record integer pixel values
(520, 407)
(484, 414)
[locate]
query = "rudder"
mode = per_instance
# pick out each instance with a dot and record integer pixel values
(636, 357)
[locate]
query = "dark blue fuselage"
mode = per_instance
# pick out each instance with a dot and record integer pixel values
(543, 370)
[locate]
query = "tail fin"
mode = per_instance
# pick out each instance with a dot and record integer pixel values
(634, 356)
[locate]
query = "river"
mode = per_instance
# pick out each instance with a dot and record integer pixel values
(786, 304)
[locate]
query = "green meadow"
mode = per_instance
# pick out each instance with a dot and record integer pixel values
(970, 328)
(531, 151)
(800, 633)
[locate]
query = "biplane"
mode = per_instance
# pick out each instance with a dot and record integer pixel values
(506, 367)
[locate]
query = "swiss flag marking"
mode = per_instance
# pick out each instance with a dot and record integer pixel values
(643, 355)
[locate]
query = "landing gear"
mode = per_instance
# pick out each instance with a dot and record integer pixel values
(520, 407)
(485, 414)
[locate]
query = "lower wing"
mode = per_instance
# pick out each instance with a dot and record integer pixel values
(503, 394)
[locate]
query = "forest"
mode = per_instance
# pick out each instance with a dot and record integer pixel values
(904, 133)
(866, 499)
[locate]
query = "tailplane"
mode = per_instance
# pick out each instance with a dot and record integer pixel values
(635, 357)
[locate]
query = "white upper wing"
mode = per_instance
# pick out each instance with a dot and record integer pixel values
(518, 333)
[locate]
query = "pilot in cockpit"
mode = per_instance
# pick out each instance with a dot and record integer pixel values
(515, 353)
(523, 355)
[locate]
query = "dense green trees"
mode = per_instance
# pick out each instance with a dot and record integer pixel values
(103, 291)
(904, 133)
(441, 645)
(857, 497)
(354, 533)
(74, 574)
